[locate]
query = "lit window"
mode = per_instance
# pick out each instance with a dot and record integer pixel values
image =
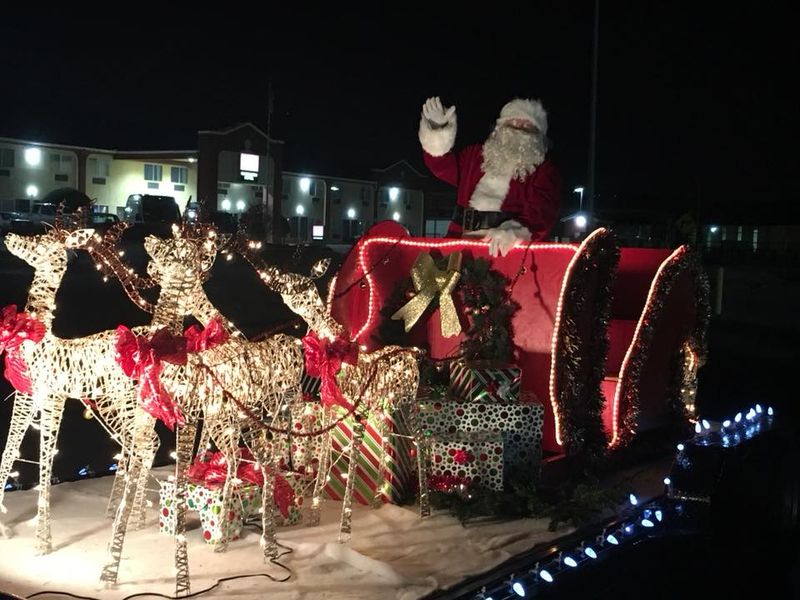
(305, 184)
(179, 175)
(351, 213)
(739, 233)
(60, 163)
(394, 193)
(99, 167)
(152, 172)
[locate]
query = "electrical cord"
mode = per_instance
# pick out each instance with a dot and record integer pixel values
(274, 561)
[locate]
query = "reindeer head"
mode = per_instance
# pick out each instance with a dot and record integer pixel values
(47, 251)
(187, 256)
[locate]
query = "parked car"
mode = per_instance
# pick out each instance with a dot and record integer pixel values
(7, 220)
(146, 208)
(102, 221)
(70, 198)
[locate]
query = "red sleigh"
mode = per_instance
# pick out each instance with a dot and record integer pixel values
(566, 324)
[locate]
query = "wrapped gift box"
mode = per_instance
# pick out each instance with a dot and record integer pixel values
(297, 452)
(398, 479)
(472, 458)
(482, 381)
(207, 502)
(519, 424)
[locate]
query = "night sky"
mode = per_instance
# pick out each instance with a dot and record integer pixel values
(692, 105)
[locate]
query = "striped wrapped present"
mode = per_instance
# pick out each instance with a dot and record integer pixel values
(484, 381)
(394, 477)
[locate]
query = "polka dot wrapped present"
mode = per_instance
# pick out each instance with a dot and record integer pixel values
(476, 459)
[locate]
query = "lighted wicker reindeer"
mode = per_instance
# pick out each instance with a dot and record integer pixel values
(369, 383)
(227, 381)
(46, 370)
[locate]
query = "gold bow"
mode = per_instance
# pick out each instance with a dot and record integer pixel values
(428, 282)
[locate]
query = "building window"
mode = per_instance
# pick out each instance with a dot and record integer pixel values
(152, 173)
(178, 175)
(152, 185)
(61, 163)
(6, 158)
(99, 167)
(366, 194)
(739, 233)
(179, 188)
(755, 239)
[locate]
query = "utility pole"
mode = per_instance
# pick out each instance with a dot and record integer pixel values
(593, 114)
(266, 212)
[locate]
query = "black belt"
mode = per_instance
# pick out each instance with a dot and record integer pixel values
(473, 220)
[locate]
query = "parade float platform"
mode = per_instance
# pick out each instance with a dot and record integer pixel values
(393, 553)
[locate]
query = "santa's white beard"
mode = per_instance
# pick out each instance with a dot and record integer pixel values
(513, 152)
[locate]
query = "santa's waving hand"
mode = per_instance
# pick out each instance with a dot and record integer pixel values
(437, 126)
(437, 115)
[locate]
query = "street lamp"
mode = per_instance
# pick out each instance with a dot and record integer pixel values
(579, 190)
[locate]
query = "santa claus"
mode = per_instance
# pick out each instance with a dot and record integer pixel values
(508, 191)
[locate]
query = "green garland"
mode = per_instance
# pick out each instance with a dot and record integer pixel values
(483, 294)
(574, 502)
(490, 309)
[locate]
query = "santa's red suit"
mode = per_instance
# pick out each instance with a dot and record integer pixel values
(533, 202)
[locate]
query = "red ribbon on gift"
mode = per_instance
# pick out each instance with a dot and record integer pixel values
(211, 469)
(198, 339)
(324, 358)
(141, 359)
(15, 328)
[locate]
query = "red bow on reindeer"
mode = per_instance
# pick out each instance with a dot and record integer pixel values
(324, 358)
(198, 339)
(16, 328)
(141, 359)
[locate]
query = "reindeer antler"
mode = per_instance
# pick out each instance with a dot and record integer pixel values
(299, 292)
(108, 259)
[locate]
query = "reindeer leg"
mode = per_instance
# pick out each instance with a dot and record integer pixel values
(256, 442)
(323, 465)
(423, 454)
(205, 439)
(142, 432)
(50, 421)
(21, 418)
(148, 454)
(230, 440)
(118, 488)
(345, 529)
(380, 494)
(183, 449)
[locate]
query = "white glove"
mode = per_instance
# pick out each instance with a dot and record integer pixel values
(505, 236)
(437, 115)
